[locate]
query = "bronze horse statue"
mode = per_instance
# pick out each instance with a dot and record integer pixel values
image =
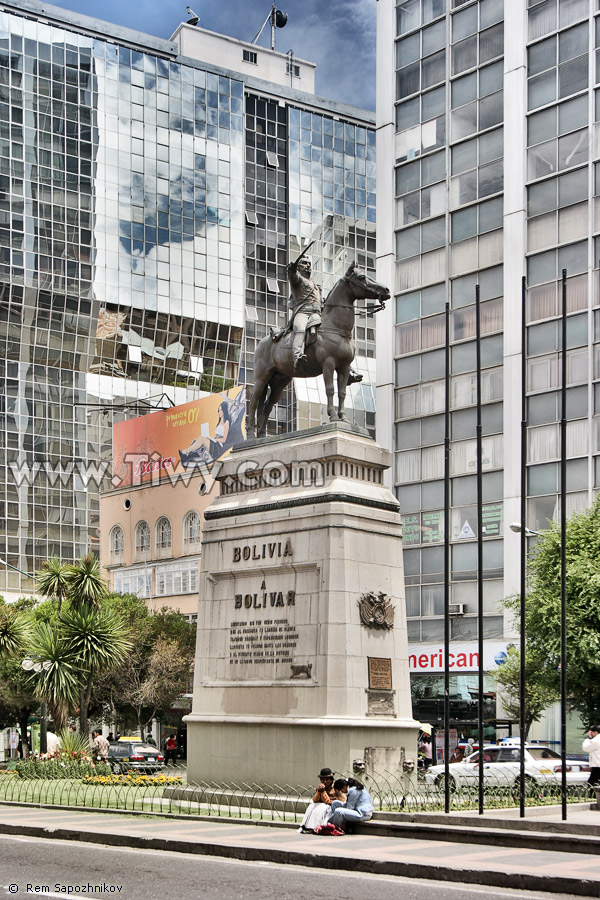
(331, 351)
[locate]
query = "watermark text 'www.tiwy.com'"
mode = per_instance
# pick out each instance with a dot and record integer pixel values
(151, 469)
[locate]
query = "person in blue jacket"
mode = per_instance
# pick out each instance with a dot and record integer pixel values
(358, 808)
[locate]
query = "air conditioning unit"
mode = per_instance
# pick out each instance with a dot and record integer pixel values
(456, 609)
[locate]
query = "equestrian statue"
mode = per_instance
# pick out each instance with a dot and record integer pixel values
(316, 341)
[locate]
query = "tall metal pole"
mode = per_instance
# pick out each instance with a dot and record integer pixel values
(43, 727)
(273, 13)
(479, 547)
(523, 536)
(563, 554)
(447, 569)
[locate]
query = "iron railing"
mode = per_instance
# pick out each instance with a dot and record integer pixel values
(270, 802)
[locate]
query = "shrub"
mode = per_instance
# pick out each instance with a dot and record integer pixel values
(60, 766)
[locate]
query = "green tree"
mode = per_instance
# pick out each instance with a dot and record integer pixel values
(86, 638)
(17, 701)
(98, 642)
(55, 677)
(156, 670)
(542, 615)
(539, 693)
(81, 583)
(52, 581)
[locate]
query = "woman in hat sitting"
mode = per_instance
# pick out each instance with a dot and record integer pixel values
(318, 810)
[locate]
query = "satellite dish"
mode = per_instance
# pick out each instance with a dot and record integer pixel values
(280, 18)
(194, 19)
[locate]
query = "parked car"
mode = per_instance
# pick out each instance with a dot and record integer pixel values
(134, 756)
(501, 768)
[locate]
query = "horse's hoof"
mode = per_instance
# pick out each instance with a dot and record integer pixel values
(342, 418)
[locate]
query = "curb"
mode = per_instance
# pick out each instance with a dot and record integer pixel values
(467, 834)
(531, 822)
(549, 884)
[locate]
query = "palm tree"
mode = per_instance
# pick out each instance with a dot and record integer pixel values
(15, 696)
(80, 582)
(53, 581)
(85, 585)
(98, 641)
(90, 638)
(53, 672)
(15, 629)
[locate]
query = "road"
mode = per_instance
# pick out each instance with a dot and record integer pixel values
(54, 866)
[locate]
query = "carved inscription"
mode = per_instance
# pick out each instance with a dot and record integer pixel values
(270, 550)
(265, 599)
(263, 617)
(262, 642)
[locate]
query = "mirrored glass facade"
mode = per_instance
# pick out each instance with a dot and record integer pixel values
(148, 209)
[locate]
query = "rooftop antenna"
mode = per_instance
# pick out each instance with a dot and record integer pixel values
(290, 56)
(278, 20)
(193, 18)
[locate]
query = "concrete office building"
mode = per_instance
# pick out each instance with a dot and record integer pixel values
(151, 194)
(487, 141)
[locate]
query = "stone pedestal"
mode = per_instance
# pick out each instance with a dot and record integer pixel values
(302, 655)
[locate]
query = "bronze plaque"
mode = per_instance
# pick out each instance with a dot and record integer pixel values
(380, 674)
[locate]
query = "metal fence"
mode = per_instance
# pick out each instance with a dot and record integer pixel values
(266, 802)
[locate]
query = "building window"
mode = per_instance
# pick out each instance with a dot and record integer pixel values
(134, 581)
(250, 56)
(142, 541)
(177, 578)
(191, 532)
(292, 69)
(163, 537)
(117, 544)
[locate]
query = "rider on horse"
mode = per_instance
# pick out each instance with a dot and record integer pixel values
(305, 306)
(304, 303)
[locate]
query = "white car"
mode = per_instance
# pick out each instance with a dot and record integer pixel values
(501, 768)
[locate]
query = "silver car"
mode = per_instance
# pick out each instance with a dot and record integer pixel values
(501, 768)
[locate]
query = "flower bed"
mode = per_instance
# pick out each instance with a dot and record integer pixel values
(132, 779)
(60, 765)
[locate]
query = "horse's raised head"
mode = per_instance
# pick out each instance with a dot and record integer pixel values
(365, 287)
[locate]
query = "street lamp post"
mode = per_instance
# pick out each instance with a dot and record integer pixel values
(15, 569)
(28, 665)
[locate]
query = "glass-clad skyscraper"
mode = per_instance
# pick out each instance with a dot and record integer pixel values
(149, 206)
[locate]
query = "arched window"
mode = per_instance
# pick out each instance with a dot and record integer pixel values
(162, 537)
(191, 532)
(116, 544)
(142, 541)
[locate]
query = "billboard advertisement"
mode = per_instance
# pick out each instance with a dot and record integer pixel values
(161, 444)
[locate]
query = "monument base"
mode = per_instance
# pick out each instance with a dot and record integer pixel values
(292, 752)
(302, 656)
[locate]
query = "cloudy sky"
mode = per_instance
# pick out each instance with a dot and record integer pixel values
(338, 35)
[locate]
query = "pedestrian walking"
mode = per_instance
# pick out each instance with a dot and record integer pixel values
(591, 745)
(170, 750)
(100, 746)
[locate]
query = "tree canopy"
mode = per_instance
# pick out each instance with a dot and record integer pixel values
(90, 652)
(542, 615)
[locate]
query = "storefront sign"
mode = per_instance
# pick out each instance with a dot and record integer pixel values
(464, 656)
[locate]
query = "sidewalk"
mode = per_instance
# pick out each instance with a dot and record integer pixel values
(521, 867)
